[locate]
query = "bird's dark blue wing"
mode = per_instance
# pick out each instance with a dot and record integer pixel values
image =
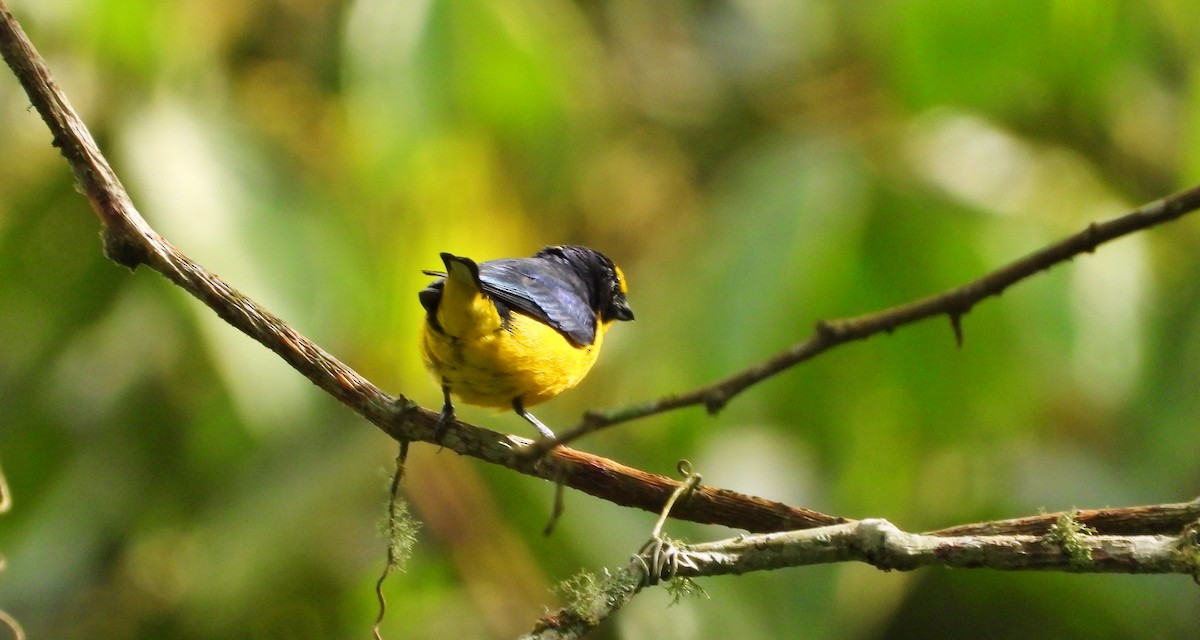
(547, 291)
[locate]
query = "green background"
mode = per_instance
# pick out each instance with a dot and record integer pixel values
(754, 166)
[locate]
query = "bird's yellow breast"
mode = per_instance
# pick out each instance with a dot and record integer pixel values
(487, 362)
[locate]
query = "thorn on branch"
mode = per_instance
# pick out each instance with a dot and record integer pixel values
(1092, 236)
(121, 250)
(403, 409)
(956, 324)
(714, 401)
(593, 419)
(825, 330)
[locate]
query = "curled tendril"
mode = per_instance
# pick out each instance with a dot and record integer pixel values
(659, 558)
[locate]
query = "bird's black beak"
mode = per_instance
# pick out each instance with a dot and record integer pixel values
(621, 311)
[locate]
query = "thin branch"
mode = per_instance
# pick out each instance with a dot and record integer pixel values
(1069, 547)
(129, 240)
(954, 303)
(1163, 519)
(398, 529)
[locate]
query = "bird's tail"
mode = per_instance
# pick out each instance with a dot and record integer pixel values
(464, 308)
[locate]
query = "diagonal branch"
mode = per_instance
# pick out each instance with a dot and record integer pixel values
(130, 241)
(954, 303)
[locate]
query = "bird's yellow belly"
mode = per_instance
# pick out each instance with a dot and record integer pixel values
(527, 360)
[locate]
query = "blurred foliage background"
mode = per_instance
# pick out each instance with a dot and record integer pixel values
(753, 165)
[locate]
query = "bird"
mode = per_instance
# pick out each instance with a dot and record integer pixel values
(516, 332)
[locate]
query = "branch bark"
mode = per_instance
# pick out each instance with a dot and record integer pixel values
(881, 544)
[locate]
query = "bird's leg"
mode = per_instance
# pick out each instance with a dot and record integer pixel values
(557, 472)
(542, 429)
(439, 429)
